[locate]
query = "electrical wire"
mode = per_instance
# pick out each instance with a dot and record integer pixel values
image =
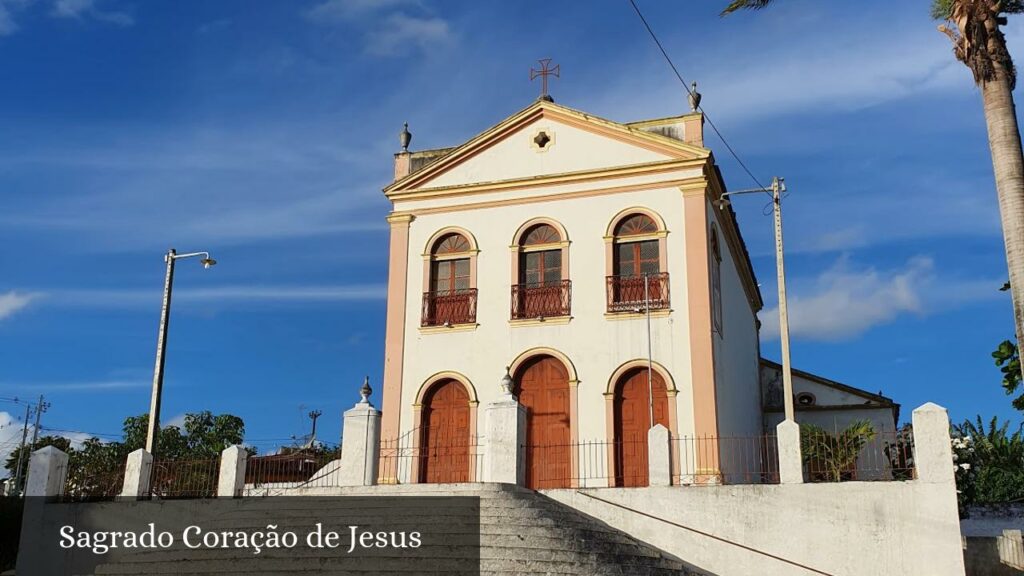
(687, 88)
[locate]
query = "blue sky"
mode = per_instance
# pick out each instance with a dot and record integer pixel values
(263, 132)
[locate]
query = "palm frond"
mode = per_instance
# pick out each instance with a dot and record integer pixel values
(745, 5)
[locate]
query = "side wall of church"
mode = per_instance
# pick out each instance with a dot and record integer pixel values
(737, 357)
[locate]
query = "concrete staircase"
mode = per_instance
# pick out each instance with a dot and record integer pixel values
(521, 532)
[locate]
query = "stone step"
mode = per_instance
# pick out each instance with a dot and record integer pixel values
(520, 531)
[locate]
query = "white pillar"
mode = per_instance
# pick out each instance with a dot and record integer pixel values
(360, 445)
(505, 441)
(659, 456)
(933, 455)
(231, 481)
(136, 474)
(791, 464)
(47, 471)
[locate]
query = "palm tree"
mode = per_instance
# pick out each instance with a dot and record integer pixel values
(973, 27)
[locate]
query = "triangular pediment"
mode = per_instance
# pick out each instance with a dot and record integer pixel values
(546, 139)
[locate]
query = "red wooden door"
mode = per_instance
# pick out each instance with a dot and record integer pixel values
(632, 422)
(543, 388)
(444, 434)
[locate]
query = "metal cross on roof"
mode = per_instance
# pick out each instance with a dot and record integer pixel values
(545, 71)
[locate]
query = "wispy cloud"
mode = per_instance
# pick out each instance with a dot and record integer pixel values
(345, 10)
(13, 301)
(129, 298)
(401, 34)
(7, 7)
(389, 32)
(845, 301)
(97, 386)
(80, 9)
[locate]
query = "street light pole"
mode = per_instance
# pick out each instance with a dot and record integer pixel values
(778, 188)
(161, 344)
(161, 348)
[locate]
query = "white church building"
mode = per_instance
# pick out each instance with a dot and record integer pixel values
(593, 260)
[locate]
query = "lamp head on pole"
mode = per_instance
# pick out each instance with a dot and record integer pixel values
(207, 262)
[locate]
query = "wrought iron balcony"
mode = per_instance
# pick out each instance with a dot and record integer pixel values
(547, 300)
(449, 307)
(626, 293)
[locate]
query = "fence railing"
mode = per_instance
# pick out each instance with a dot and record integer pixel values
(88, 484)
(710, 460)
(543, 300)
(449, 307)
(627, 294)
(588, 463)
(843, 456)
(268, 475)
(171, 479)
(432, 456)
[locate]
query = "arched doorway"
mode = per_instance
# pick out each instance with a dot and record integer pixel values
(444, 434)
(632, 414)
(542, 384)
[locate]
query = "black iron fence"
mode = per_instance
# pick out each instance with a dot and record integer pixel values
(628, 293)
(277, 473)
(432, 456)
(172, 479)
(588, 463)
(542, 300)
(90, 483)
(449, 307)
(848, 455)
(711, 460)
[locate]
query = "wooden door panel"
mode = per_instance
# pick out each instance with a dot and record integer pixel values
(544, 390)
(632, 415)
(445, 434)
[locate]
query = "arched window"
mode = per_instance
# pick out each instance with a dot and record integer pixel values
(450, 297)
(541, 287)
(637, 280)
(716, 282)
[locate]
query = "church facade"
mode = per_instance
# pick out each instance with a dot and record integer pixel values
(591, 260)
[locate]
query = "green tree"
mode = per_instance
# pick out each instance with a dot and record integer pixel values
(993, 470)
(830, 457)
(973, 26)
(96, 468)
(11, 464)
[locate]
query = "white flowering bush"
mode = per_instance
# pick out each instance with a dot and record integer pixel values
(964, 468)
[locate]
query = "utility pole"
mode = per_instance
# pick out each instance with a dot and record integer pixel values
(21, 453)
(40, 408)
(778, 188)
(312, 435)
(787, 373)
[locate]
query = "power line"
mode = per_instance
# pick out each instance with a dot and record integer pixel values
(687, 88)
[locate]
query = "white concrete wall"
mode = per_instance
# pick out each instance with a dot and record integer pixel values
(850, 528)
(595, 344)
(737, 359)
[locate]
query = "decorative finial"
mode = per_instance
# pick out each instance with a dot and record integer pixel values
(405, 137)
(544, 72)
(506, 383)
(694, 97)
(365, 391)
